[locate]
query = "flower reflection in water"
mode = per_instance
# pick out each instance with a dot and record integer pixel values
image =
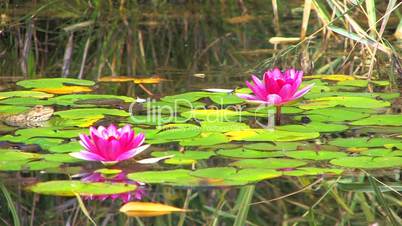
(120, 177)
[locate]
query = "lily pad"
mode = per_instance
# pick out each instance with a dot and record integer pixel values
(222, 126)
(176, 177)
(277, 146)
(71, 188)
(248, 153)
(216, 115)
(54, 82)
(16, 155)
(183, 158)
(310, 171)
(270, 163)
(362, 142)
(366, 162)
(270, 135)
(315, 155)
(380, 120)
(186, 97)
(335, 114)
(73, 99)
(177, 132)
(90, 113)
(205, 139)
(314, 127)
(346, 101)
(25, 93)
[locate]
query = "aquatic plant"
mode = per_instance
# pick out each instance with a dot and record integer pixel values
(121, 177)
(276, 88)
(110, 145)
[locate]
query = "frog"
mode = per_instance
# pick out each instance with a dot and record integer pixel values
(33, 117)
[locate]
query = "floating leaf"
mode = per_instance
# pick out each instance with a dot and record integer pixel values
(148, 209)
(315, 155)
(155, 119)
(186, 97)
(270, 135)
(187, 157)
(136, 80)
(213, 115)
(331, 77)
(177, 177)
(90, 113)
(248, 153)
(313, 127)
(310, 171)
(63, 158)
(224, 99)
(177, 132)
(16, 155)
(64, 89)
(381, 152)
(353, 102)
(362, 142)
(205, 139)
(271, 110)
(54, 82)
(270, 163)
(222, 126)
(7, 109)
(380, 120)
(336, 114)
(71, 187)
(74, 99)
(277, 146)
(25, 93)
(357, 83)
(26, 101)
(366, 162)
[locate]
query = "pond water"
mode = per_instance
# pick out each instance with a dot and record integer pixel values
(172, 71)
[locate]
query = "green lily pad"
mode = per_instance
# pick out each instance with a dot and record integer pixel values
(205, 139)
(313, 127)
(41, 165)
(224, 99)
(270, 163)
(380, 120)
(177, 132)
(248, 153)
(277, 146)
(315, 155)
(66, 148)
(175, 177)
(71, 188)
(284, 110)
(186, 97)
(222, 126)
(54, 82)
(183, 158)
(155, 119)
(353, 102)
(310, 171)
(74, 99)
(7, 109)
(60, 158)
(90, 113)
(216, 115)
(362, 142)
(270, 135)
(16, 155)
(25, 93)
(356, 82)
(381, 152)
(25, 101)
(366, 162)
(335, 114)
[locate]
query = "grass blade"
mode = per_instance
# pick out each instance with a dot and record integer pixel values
(243, 204)
(372, 17)
(381, 200)
(10, 204)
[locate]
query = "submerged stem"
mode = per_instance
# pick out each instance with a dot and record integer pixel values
(278, 116)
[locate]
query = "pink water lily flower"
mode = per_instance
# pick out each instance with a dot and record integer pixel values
(121, 177)
(276, 88)
(110, 145)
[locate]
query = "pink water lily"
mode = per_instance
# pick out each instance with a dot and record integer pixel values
(110, 145)
(121, 178)
(276, 88)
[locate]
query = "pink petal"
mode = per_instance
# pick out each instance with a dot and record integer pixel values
(86, 142)
(257, 82)
(285, 92)
(132, 153)
(255, 90)
(86, 155)
(272, 85)
(246, 96)
(274, 99)
(303, 91)
(154, 160)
